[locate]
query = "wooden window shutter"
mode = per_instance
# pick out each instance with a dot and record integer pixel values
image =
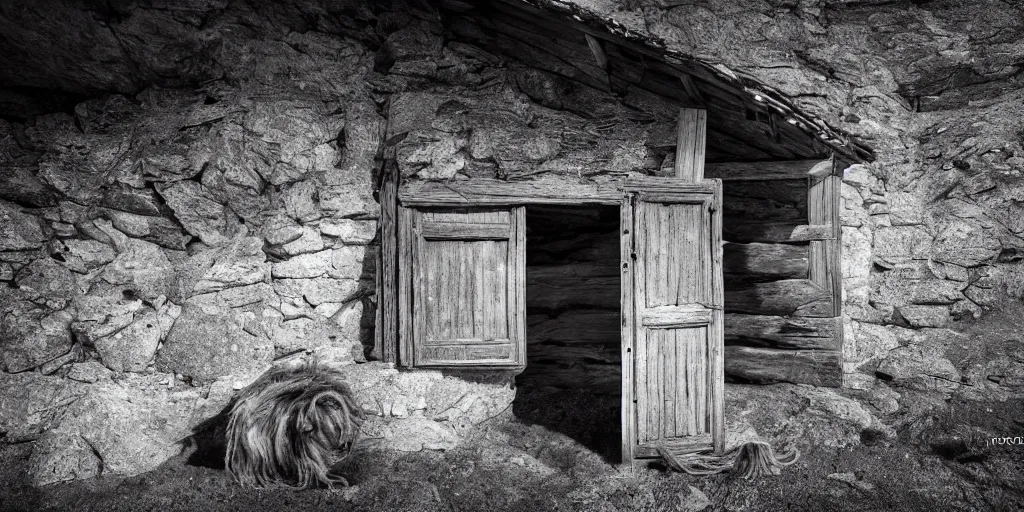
(673, 318)
(462, 287)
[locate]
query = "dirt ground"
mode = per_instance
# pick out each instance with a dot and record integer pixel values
(538, 457)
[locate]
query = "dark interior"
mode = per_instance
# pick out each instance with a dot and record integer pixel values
(572, 380)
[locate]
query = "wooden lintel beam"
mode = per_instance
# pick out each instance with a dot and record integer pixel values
(559, 189)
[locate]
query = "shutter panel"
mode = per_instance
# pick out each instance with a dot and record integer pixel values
(676, 319)
(465, 296)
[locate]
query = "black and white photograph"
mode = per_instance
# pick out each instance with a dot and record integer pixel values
(511, 255)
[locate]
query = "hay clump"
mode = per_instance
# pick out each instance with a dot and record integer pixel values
(291, 426)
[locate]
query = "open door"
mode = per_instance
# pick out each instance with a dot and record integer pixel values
(672, 315)
(462, 287)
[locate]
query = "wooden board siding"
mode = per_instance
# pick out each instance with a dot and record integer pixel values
(791, 329)
(677, 321)
(467, 304)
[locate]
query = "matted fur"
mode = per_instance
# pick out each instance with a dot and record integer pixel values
(290, 426)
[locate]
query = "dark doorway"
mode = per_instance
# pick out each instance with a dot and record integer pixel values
(572, 381)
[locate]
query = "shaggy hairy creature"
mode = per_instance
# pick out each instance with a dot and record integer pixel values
(749, 460)
(290, 426)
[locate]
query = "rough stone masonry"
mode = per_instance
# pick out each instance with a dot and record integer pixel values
(187, 195)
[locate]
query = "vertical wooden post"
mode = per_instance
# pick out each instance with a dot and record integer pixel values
(716, 356)
(690, 142)
(406, 244)
(387, 292)
(626, 230)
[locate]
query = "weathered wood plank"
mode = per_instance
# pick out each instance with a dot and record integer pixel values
(690, 144)
(589, 292)
(466, 295)
(569, 355)
(540, 273)
(593, 247)
(669, 185)
(815, 367)
(775, 231)
(784, 192)
(406, 245)
(764, 262)
(387, 302)
(715, 355)
(765, 201)
(790, 297)
(679, 446)
(586, 326)
(823, 208)
(675, 317)
(555, 288)
(518, 284)
(547, 189)
(464, 231)
(550, 189)
(769, 170)
(627, 330)
(777, 332)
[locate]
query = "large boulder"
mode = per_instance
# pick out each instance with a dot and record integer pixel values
(210, 342)
(920, 367)
(32, 335)
(19, 230)
(131, 426)
(32, 404)
(141, 268)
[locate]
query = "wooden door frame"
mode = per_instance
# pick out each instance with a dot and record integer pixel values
(822, 231)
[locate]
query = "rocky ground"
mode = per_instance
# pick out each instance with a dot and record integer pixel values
(551, 451)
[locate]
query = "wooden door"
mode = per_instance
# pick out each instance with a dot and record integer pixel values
(672, 318)
(462, 287)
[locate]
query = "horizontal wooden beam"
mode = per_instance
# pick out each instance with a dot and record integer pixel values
(464, 231)
(575, 327)
(673, 317)
(654, 185)
(569, 355)
(774, 231)
(764, 171)
(555, 289)
(794, 333)
(561, 189)
(678, 446)
(488, 191)
(790, 297)
(540, 273)
(815, 367)
(549, 189)
(764, 262)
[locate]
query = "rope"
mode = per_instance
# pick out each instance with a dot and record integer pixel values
(751, 460)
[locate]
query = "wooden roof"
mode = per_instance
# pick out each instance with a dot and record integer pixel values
(746, 119)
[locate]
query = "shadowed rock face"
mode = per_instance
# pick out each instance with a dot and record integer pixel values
(187, 189)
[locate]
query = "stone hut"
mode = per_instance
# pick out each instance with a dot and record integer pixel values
(192, 192)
